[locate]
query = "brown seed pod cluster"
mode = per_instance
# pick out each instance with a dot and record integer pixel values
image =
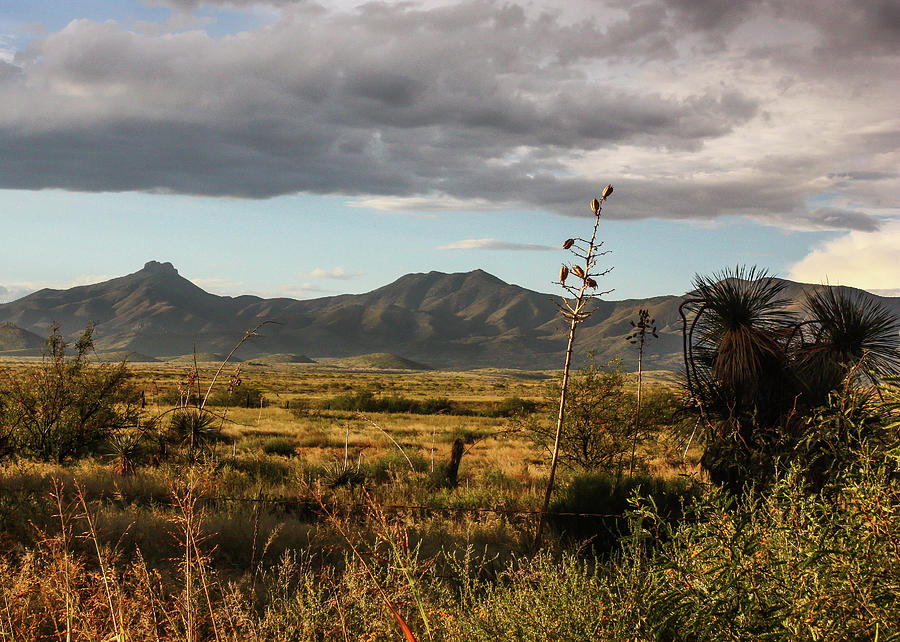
(563, 273)
(568, 243)
(595, 206)
(607, 191)
(577, 271)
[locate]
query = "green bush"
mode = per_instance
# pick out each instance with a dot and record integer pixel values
(600, 494)
(366, 401)
(285, 446)
(65, 407)
(512, 407)
(242, 396)
(599, 427)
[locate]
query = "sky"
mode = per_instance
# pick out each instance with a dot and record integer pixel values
(304, 149)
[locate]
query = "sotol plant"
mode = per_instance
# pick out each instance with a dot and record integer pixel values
(757, 372)
(576, 310)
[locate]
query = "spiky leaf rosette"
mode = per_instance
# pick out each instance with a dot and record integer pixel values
(738, 336)
(846, 330)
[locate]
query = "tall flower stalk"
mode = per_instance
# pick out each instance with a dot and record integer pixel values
(639, 336)
(582, 288)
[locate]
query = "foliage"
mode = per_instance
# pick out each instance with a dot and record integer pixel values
(513, 407)
(284, 446)
(195, 429)
(366, 401)
(127, 448)
(245, 557)
(242, 396)
(834, 434)
(610, 501)
(786, 564)
(757, 372)
(599, 429)
(65, 407)
(343, 473)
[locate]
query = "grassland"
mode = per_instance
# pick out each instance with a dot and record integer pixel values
(304, 521)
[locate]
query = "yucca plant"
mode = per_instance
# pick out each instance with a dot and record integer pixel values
(196, 429)
(127, 448)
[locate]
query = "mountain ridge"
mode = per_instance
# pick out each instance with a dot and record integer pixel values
(458, 320)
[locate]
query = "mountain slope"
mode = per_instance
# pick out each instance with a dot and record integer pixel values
(470, 319)
(16, 341)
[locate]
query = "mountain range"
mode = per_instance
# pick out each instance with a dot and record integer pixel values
(462, 320)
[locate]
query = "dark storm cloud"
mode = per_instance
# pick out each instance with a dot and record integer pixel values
(472, 101)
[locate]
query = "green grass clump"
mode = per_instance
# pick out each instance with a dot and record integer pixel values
(600, 493)
(285, 446)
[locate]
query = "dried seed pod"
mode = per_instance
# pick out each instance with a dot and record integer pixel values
(577, 271)
(606, 192)
(591, 283)
(595, 206)
(563, 273)
(568, 243)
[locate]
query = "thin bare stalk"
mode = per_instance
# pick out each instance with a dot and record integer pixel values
(393, 441)
(187, 522)
(92, 528)
(12, 628)
(639, 336)
(346, 446)
(637, 412)
(693, 432)
(205, 585)
(189, 609)
(407, 632)
(250, 333)
(433, 429)
(64, 530)
(150, 594)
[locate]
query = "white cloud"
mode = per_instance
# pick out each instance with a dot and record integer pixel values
(88, 279)
(220, 286)
(301, 291)
(12, 291)
(493, 244)
(338, 273)
(225, 287)
(867, 260)
(434, 203)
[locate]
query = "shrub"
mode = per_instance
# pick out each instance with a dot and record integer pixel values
(243, 396)
(195, 429)
(599, 493)
(512, 407)
(65, 407)
(784, 564)
(599, 425)
(366, 401)
(285, 446)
